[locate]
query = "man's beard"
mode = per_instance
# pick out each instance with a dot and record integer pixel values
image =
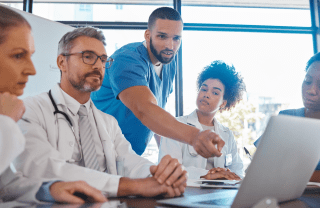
(83, 86)
(158, 55)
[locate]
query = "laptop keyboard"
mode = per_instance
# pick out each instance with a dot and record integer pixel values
(219, 202)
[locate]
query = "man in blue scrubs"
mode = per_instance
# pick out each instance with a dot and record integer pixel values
(137, 85)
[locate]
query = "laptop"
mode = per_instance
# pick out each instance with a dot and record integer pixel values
(285, 159)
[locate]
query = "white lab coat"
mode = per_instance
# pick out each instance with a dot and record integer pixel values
(50, 143)
(11, 141)
(13, 185)
(196, 165)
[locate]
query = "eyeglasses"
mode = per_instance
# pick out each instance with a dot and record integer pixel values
(90, 58)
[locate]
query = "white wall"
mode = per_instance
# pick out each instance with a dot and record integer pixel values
(46, 35)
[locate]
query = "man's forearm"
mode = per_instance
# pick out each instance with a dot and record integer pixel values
(128, 187)
(163, 123)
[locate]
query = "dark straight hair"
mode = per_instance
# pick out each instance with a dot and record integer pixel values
(163, 13)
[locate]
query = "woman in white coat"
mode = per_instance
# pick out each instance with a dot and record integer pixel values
(220, 88)
(16, 49)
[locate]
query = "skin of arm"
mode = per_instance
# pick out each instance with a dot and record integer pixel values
(169, 179)
(147, 187)
(141, 101)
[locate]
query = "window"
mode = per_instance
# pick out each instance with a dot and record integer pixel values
(85, 7)
(119, 7)
(272, 66)
(14, 5)
(109, 12)
(247, 15)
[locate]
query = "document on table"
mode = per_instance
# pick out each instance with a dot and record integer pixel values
(202, 183)
(313, 184)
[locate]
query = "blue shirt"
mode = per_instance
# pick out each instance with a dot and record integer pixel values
(44, 194)
(133, 67)
(292, 112)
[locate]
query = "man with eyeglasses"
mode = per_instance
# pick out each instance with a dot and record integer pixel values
(68, 138)
(136, 88)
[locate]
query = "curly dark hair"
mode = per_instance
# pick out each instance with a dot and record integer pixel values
(232, 81)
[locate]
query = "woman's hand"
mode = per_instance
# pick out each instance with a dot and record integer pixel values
(221, 173)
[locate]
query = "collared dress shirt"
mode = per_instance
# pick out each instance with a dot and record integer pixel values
(73, 107)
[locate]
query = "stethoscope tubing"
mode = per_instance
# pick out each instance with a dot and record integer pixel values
(56, 111)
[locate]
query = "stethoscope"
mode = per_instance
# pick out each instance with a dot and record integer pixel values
(56, 111)
(191, 153)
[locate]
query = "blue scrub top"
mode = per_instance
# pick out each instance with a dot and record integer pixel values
(133, 67)
(291, 112)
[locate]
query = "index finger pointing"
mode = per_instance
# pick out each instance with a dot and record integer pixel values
(212, 149)
(218, 141)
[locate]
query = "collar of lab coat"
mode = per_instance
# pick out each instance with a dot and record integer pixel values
(57, 95)
(62, 98)
(193, 119)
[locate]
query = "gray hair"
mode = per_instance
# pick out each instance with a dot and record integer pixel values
(66, 42)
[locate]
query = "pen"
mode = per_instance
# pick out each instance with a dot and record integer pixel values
(26, 120)
(247, 152)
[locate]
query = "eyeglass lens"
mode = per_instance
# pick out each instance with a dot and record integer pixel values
(91, 58)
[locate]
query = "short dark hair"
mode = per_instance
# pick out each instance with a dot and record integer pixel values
(9, 19)
(163, 13)
(232, 81)
(314, 58)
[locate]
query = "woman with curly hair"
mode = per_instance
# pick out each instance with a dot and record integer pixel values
(220, 87)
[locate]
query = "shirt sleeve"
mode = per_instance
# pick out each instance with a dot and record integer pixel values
(44, 192)
(129, 164)
(318, 166)
(11, 141)
(127, 70)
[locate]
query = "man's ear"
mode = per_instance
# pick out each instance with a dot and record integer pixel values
(61, 63)
(147, 35)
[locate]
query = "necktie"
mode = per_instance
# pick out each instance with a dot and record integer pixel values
(88, 149)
